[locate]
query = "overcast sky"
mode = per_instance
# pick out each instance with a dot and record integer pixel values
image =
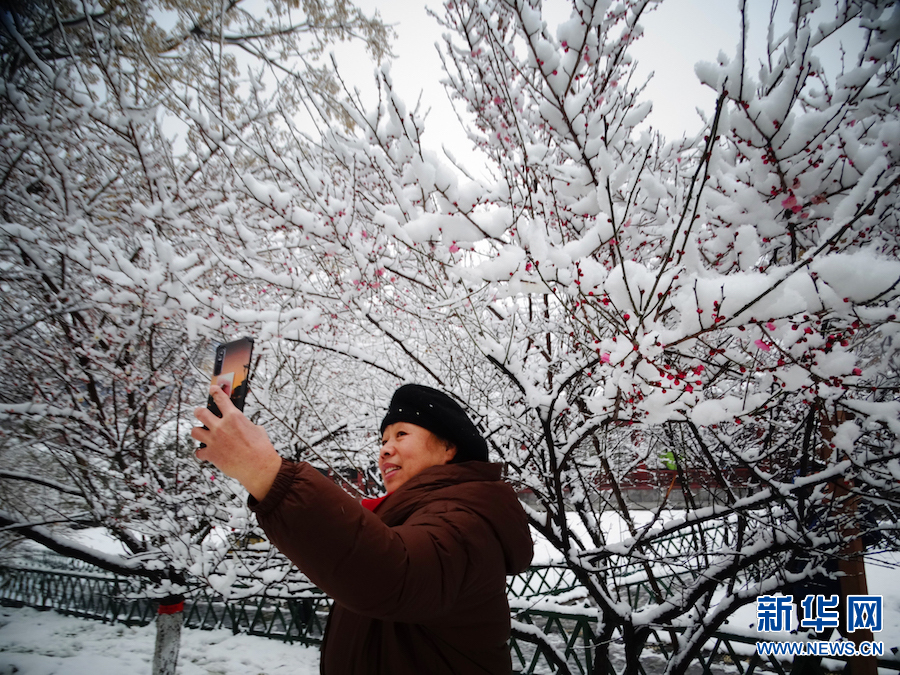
(678, 34)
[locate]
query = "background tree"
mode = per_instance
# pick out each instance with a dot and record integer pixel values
(104, 186)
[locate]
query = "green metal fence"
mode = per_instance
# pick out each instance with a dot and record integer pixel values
(541, 581)
(89, 594)
(678, 559)
(573, 634)
(92, 593)
(115, 599)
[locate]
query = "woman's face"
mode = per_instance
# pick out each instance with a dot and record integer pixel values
(408, 449)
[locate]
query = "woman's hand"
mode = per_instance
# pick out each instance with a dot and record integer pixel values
(236, 446)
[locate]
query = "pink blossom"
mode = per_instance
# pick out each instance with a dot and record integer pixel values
(857, 371)
(790, 202)
(605, 357)
(762, 345)
(770, 326)
(453, 247)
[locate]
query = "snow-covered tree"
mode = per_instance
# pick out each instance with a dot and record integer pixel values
(105, 188)
(719, 309)
(610, 301)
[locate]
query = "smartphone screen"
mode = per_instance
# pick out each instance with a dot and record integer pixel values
(231, 371)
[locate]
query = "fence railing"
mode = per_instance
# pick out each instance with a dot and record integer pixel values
(541, 581)
(302, 617)
(678, 559)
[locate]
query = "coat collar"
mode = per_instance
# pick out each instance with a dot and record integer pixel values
(398, 504)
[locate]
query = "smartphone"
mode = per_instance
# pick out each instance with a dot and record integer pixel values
(231, 371)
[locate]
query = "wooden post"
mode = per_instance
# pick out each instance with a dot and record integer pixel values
(168, 635)
(851, 563)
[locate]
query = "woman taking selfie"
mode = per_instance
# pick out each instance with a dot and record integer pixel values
(418, 577)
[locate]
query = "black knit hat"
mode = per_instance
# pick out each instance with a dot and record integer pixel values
(441, 415)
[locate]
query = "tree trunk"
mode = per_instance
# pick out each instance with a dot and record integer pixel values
(168, 635)
(851, 564)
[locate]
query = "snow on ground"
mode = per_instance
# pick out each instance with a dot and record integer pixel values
(47, 643)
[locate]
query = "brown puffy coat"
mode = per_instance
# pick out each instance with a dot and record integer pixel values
(420, 585)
